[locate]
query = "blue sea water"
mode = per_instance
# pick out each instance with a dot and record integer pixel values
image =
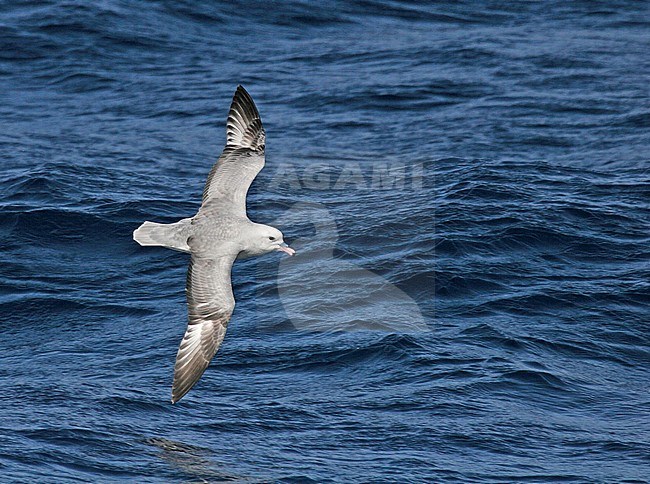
(468, 187)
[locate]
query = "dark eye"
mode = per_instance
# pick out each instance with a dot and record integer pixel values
(271, 238)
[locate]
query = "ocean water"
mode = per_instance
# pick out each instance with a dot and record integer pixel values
(468, 187)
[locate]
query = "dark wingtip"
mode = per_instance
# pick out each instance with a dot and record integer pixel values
(244, 127)
(176, 397)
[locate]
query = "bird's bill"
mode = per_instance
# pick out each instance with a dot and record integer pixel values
(285, 248)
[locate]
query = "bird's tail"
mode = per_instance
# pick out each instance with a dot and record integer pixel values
(173, 236)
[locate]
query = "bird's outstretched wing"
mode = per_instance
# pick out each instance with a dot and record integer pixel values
(210, 304)
(242, 158)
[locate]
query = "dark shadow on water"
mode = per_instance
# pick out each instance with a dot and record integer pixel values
(194, 462)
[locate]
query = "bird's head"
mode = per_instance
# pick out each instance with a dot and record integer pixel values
(268, 239)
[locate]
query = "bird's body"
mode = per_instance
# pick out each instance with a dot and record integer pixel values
(215, 237)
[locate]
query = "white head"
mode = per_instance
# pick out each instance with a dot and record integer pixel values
(265, 239)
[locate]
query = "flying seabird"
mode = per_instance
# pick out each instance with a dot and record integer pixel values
(217, 235)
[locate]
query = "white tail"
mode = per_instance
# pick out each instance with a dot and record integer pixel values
(173, 236)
